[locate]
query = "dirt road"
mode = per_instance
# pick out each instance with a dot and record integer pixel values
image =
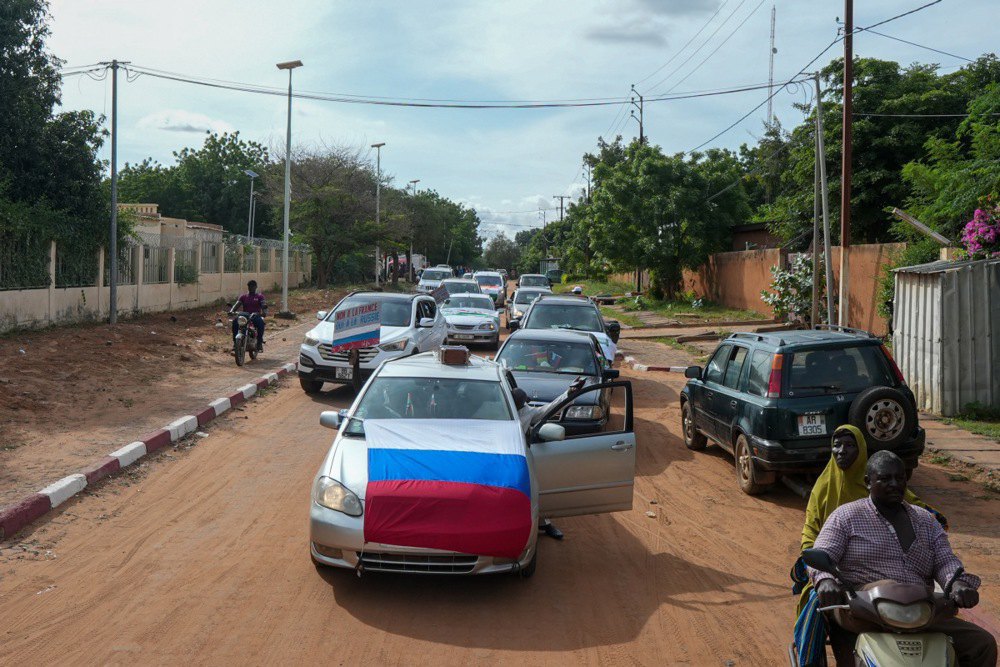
(205, 561)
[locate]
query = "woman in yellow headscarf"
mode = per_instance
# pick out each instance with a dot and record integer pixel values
(841, 482)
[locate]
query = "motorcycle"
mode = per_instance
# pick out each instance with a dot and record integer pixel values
(901, 611)
(246, 338)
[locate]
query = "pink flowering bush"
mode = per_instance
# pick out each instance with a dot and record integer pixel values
(981, 235)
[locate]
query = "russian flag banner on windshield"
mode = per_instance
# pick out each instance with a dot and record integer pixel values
(453, 484)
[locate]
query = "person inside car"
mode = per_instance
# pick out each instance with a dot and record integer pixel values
(252, 303)
(841, 482)
(884, 537)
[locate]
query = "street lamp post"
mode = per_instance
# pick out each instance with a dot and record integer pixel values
(290, 65)
(378, 196)
(252, 174)
(409, 269)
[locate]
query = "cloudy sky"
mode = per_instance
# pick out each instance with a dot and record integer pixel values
(505, 163)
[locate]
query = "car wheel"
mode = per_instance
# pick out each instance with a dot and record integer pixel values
(693, 438)
(310, 386)
(886, 417)
(747, 475)
(528, 570)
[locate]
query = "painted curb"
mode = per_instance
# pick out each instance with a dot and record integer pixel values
(30, 508)
(631, 361)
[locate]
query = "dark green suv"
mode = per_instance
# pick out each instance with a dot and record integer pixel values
(773, 401)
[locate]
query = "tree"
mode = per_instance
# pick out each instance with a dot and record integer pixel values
(501, 252)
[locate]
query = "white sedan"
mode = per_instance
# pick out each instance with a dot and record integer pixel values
(431, 472)
(472, 318)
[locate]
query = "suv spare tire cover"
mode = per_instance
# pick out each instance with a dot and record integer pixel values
(885, 415)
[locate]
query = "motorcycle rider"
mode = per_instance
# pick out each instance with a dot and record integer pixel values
(883, 537)
(253, 304)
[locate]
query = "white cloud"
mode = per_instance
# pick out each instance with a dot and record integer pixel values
(178, 120)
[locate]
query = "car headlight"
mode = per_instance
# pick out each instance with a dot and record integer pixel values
(398, 346)
(310, 341)
(584, 412)
(517, 313)
(241, 320)
(488, 326)
(331, 494)
(907, 616)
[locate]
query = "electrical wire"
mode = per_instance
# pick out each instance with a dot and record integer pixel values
(674, 57)
(920, 115)
(920, 46)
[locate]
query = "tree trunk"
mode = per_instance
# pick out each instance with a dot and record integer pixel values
(395, 268)
(409, 265)
(322, 272)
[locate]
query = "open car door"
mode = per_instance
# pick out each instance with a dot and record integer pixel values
(586, 474)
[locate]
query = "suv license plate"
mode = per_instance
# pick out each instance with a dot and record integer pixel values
(812, 424)
(348, 373)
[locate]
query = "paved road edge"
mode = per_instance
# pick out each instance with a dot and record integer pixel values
(28, 509)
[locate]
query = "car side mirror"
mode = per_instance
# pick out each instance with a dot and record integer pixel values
(692, 372)
(329, 419)
(321, 315)
(551, 433)
(426, 322)
(611, 374)
(514, 324)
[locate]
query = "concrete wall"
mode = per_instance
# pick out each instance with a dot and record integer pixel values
(60, 305)
(865, 264)
(736, 279)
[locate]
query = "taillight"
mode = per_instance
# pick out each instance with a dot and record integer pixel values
(774, 383)
(892, 363)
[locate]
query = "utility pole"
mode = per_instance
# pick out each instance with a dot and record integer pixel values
(291, 65)
(845, 167)
(561, 198)
(770, 72)
(113, 241)
(378, 197)
(588, 182)
(825, 199)
(252, 174)
(639, 118)
(410, 269)
(814, 309)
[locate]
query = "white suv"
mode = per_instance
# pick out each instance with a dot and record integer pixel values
(431, 279)
(411, 323)
(492, 284)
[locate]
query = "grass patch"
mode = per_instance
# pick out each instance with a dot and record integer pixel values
(711, 312)
(683, 347)
(941, 459)
(979, 419)
(627, 319)
(594, 287)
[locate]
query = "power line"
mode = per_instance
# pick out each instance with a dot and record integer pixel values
(920, 46)
(694, 37)
(920, 115)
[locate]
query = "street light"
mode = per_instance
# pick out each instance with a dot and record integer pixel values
(409, 269)
(290, 65)
(378, 195)
(252, 174)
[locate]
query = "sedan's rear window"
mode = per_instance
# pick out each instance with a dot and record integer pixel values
(548, 357)
(492, 281)
(534, 281)
(843, 370)
(435, 274)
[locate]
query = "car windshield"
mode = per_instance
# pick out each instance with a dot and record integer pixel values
(492, 281)
(559, 316)
(467, 301)
(534, 281)
(842, 370)
(466, 287)
(429, 398)
(548, 357)
(394, 312)
(525, 297)
(435, 274)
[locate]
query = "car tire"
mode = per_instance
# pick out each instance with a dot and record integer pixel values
(885, 416)
(694, 439)
(748, 477)
(495, 345)
(528, 570)
(310, 386)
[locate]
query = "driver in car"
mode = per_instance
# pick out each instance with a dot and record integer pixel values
(883, 537)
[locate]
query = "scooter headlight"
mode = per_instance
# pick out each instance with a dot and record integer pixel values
(242, 320)
(906, 616)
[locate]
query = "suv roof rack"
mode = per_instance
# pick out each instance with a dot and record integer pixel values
(847, 330)
(757, 337)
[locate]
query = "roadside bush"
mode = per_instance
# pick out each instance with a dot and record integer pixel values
(791, 290)
(185, 274)
(981, 235)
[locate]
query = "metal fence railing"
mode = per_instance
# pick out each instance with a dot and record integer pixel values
(126, 265)
(76, 266)
(265, 260)
(209, 257)
(185, 266)
(24, 262)
(231, 262)
(249, 259)
(155, 265)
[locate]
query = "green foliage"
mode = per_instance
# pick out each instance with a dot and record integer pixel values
(501, 253)
(790, 294)
(185, 273)
(207, 184)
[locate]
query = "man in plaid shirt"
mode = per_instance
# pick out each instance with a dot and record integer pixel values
(882, 537)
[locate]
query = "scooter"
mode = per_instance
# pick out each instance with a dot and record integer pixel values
(902, 611)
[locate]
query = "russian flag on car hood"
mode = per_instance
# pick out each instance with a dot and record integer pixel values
(453, 484)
